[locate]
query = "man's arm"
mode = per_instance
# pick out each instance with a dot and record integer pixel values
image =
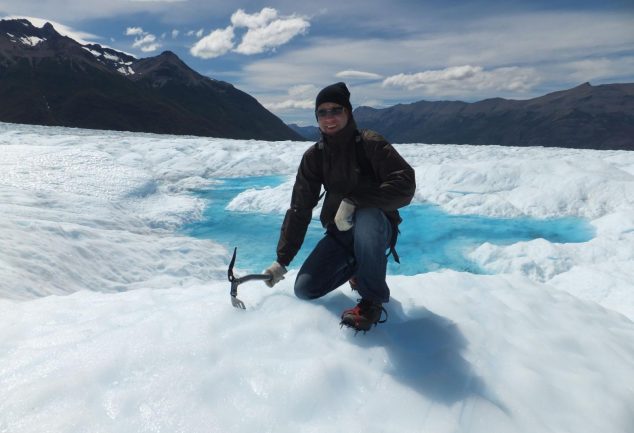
(305, 197)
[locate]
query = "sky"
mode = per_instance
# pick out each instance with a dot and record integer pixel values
(283, 52)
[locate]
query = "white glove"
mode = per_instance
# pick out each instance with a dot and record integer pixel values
(343, 218)
(277, 272)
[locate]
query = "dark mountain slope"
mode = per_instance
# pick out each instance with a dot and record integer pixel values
(598, 117)
(50, 79)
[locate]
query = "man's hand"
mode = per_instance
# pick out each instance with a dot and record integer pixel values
(277, 272)
(343, 218)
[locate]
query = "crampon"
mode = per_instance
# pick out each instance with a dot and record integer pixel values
(363, 316)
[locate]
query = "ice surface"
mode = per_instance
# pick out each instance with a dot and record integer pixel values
(430, 239)
(546, 344)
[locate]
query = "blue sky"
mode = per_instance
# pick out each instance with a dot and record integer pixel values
(282, 52)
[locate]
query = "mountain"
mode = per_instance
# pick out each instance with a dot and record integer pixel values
(596, 117)
(310, 133)
(50, 79)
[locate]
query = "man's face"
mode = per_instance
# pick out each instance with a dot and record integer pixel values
(331, 117)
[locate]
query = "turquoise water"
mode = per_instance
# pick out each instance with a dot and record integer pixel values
(430, 238)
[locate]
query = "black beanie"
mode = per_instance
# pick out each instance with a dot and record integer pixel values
(337, 93)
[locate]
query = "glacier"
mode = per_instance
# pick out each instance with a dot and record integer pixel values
(113, 320)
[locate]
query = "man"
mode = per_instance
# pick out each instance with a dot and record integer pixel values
(366, 181)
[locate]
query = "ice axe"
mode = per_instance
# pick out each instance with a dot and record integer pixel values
(235, 282)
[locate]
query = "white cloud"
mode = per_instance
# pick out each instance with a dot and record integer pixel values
(144, 41)
(175, 33)
(150, 47)
(601, 68)
(215, 44)
(200, 33)
(291, 104)
(303, 90)
(331, 55)
(266, 31)
(134, 31)
(360, 75)
(454, 79)
(253, 21)
(421, 79)
(300, 97)
(274, 34)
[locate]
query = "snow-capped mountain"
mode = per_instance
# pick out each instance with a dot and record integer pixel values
(114, 59)
(50, 79)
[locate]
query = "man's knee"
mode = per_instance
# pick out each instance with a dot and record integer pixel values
(303, 287)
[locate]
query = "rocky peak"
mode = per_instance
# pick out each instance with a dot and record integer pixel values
(22, 28)
(164, 68)
(169, 55)
(48, 31)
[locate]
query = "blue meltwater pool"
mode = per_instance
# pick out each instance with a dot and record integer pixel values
(430, 238)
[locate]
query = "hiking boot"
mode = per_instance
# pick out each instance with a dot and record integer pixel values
(363, 315)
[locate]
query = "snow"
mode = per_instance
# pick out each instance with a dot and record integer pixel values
(113, 58)
(93, 52)
(31, 40)
(126, 70)
(110, 320)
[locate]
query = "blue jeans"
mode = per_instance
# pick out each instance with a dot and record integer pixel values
(359, 252)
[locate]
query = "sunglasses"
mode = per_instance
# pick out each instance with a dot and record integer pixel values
(336, 111)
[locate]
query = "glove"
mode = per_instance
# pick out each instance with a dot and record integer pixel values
(343, 218)
(277, 271)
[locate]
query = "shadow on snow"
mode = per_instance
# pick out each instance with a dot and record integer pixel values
(425, 352)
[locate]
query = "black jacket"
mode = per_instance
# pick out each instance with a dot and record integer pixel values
(334, 163)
